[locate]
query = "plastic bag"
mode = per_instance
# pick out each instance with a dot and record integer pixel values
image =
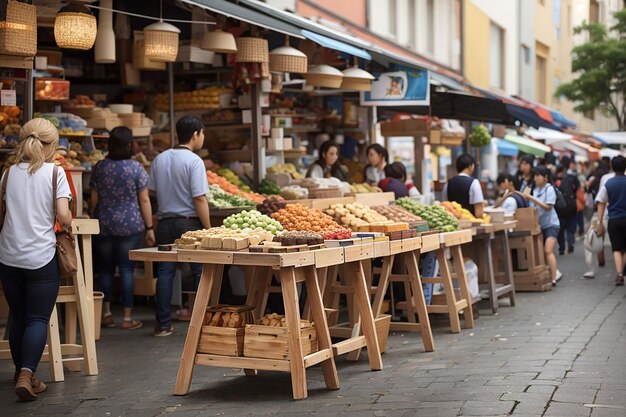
(593, 243)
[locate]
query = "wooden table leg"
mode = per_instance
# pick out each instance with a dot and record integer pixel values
(508, 265)
(55, 356)
(321, 326)
(419, 300)
(258, 290)
(188, 357)
(362, 299)
(446, 278)
(491, 277)
(459, 267)
(321, 279)
(383, 285)
(292, 317)
(84, 305)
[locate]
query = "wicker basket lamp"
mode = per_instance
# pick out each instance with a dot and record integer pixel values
(75, 27)
(288, 59)
(18, 28)
(324, 76)
(252, 50)
(357, 79)
(161, 42)
(220, 42)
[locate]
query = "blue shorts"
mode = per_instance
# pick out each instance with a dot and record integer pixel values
(550, 232)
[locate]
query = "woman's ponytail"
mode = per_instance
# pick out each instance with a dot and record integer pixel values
(38, 142)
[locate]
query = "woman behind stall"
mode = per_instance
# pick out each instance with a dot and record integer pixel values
(327, 165)
(395, 181)
(377, 158)
(29, 268)
(119, 198)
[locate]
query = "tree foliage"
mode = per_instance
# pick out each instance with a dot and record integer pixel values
(600, 69)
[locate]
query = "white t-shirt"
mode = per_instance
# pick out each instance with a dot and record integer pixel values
(27, 239)
(509, 205)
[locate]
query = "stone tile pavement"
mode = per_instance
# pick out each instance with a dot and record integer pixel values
(560, 353)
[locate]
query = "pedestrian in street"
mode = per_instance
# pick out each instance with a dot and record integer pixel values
(464, 188)
(568, 185)
(120, 202)
(613, 193)
(29, 269)
(508, 199)
(179, 179)
(525, 177)
(543, 197)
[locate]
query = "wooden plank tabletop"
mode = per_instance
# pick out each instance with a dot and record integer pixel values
(153, 255)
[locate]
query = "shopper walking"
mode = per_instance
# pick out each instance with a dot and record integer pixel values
(120, 202)
(543, 197)
(613, 193)
(465, 189)
(568, 185)
(29, 269)
(179, 179)
(377, 158)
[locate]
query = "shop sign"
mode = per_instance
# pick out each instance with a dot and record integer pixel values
(8, 98)
(402, 86)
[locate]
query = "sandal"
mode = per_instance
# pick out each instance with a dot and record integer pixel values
(619, 280)
(131, 324)
(107, 321)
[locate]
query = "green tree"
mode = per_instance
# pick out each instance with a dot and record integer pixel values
(600, 68)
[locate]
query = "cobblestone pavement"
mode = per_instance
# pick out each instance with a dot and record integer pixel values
(560, 353)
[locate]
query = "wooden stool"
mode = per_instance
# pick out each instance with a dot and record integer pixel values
(531, 272)
(78, 299)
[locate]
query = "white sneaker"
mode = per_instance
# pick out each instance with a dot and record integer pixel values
(559, 275)
(589, 275)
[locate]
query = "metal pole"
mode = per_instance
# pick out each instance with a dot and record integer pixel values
(30, 94)
(255, 129)
(170, 86)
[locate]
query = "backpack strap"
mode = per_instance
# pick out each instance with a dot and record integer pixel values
(4, 189)
(55, 176)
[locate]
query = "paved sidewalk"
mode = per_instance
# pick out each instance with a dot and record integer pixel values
(560, 353)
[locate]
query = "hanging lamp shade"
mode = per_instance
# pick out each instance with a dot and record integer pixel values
(288, 59)
(323, 76)
(355, 78)
(161, 42)
(219, 41)
(75, 27)
(104, 50)
(252, 50)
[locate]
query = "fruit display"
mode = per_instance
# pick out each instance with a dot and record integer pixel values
(9, 115)
(294, 237)
(356, 216)
(233, 179)
(46, 89)
(269, 187)
(463, 214)
(298, 217)
(222, 238)
(271, 205)
(294, 192)
(217, 198)
(80, 102)
(230, 188)
(480, 136)
(67, 123)
(252, 219)
(275, 320)
(438, 218)
(364, 188)
(397, 213)
(285, 169)
(206, 98)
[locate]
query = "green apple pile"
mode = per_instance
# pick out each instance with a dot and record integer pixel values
(438, 218)
(249, 220)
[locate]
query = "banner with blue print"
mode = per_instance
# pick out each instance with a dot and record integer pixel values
(401, 86)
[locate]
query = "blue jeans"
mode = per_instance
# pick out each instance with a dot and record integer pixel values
(112, 251)
(31, 294)
(568, 227)
(167, 232)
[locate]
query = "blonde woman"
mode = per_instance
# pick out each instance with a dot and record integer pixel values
(29, 269)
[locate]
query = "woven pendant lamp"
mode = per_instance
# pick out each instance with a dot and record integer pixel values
(252, 50)
(75, 27)
(288, 59)
(219, 41)
(323, 76)
(357, 79)
(161, 41)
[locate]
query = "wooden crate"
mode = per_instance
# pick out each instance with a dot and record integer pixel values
(269, 342)
(225, 341)
(528, 219)
(536, 280)
(383, 323)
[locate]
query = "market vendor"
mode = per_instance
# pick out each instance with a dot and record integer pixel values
(395, 181)
(327, 165)
(508, 199)
(377, 158)
(465, 189)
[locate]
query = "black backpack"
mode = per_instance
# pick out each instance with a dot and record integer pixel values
(565, 205)
(521, 201)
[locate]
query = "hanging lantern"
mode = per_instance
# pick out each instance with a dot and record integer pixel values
(323, 76)
(357, 79)
(18, 29)
(288, 59)
(161, 42)
(75, 27)
(105, 40)
(219, 41)
(252, 50)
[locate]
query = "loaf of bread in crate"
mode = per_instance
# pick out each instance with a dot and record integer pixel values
(232, 319)
(275, 320)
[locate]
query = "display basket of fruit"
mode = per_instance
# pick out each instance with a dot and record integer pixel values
(223, 330)
(269, 339)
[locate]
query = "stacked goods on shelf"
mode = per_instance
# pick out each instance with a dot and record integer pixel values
(103, 118)
(217, 198)
(223, 330)
(79, 157)
(247, 220)
(463, 214)
(137, 122)
(298, 217)
(294, 237)
(271, 205)
(294, 192)
(356, 171)
(363, 219)
(325, 187)
(398, 214)
(67, 123)
(11, 135)
(364, 189)
(206, 98)
(230, 188)
(285, 169)
(222, 238)
(437, 217)
(269, 187)
(234, 179)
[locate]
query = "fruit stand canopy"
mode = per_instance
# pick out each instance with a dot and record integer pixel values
(506, 148)
(528, 145)
(611, 138)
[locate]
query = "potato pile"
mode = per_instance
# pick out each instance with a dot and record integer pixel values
(224, 319)
(275, 320)
(354, 215)
(397, 213)
(221, 238)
